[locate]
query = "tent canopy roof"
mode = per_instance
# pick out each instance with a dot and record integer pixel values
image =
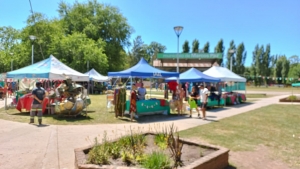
(95, 76)
(143, 69)
(50, 68)
(194, 75)
(224, 74)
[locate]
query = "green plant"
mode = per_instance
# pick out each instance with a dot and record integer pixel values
(127, 157)
(98, 154)
(292, 98)
(174, 145)
(161, 141)
(114, 150)
(157, 160)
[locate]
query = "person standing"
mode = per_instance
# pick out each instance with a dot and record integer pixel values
(142, 92)
(38, 95)
(203, 98)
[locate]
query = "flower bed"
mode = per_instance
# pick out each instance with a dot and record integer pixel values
(149, 150)
(291, 98)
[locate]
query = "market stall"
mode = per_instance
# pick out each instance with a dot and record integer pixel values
(52, 69)
(143, 70)
(194, 75)
(228, 78)
(96, 77)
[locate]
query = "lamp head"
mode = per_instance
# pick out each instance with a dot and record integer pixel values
(32, 37)
(178, 30)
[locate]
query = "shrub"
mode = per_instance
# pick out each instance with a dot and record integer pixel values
(292, 98)
(161, 141)
(99, 154)
(157, 160)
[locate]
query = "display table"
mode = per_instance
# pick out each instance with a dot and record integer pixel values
(212, 103)
(24, 103)
(149, 107)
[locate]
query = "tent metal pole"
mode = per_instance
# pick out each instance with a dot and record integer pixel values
(131, 113)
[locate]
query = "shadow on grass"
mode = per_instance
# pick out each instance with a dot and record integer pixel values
(71, 118)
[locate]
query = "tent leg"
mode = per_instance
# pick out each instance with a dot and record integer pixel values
(131, 113)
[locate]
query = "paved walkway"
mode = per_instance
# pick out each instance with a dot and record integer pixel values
(52, 146)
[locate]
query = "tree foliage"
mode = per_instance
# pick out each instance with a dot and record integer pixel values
(230, 54)
(206, 47)
(99, 21)
(195, 48)
(240, 59)
(186, 47)
(220, 49)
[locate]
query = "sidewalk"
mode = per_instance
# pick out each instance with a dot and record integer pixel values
(52, 147)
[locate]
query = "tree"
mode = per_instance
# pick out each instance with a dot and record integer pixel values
(294, 59)
(241, 55)
(76, 50)
(195, 46)
(294, 70)
(206, 48)
(138, 51)
(282, 69)
(186, 47)
(155, 48)
(8, 40)
(230, 54)
(220, 49)
(99, 21)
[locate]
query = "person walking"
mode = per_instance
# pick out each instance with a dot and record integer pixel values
(193, 101)
(203, 98)
(38, 95)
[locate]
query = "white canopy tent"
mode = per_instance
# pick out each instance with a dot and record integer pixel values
(224, 74)
(97, 77)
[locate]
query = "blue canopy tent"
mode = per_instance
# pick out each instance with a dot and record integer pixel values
(50, 68)
(144, 70)
(97, 77)
(194, 75)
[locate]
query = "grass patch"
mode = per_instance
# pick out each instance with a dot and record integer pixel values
(97, 114)
(273, 126)
(256, 96)
(273, 89)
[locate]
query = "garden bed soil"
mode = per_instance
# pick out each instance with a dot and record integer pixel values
(194, 155)
(288, 100)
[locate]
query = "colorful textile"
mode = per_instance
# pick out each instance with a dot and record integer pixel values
(120, 102)
(133, 102)
(172, 85)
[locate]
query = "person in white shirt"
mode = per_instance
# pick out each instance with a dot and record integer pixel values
(142, 92)
(203, 98)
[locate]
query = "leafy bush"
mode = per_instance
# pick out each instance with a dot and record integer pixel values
(99, 154)
(157, 160)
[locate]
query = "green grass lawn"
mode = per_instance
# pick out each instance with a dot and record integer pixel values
(274, 89)
(273, 126)
(97, 114)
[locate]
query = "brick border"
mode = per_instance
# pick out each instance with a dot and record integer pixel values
(289, 101)
(215, 160)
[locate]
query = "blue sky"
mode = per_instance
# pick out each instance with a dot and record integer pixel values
(275, 22)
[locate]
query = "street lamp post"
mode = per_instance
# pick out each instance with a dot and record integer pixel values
(232, 51)
(11, 63)
(32, 38)
(178, 30)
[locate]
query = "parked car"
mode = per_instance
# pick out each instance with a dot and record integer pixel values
(128, 85)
